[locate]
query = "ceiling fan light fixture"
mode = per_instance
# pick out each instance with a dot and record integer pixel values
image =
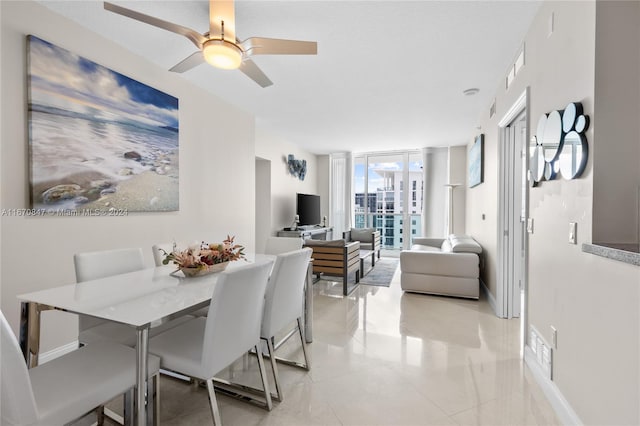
(222, 54)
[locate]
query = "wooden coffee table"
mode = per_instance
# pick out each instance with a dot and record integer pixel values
(363, 255)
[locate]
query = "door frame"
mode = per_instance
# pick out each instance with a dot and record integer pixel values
(505, 290)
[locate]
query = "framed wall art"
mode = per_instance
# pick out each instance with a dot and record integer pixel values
(476, 162)
(98, 140)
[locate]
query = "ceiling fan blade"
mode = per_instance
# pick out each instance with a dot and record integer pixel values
(276, 46)
(189, 62)
(222, 11)
(195, 37)
(251, 70)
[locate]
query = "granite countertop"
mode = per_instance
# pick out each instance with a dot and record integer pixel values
(627, 253)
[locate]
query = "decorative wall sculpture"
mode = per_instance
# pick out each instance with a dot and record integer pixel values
(99, 141)
(559, 145)
(297, 168)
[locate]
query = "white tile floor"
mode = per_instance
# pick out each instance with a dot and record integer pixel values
(382, 357)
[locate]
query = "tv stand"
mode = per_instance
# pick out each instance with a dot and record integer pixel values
(309, 232)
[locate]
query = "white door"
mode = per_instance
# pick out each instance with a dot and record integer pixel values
(513, 214)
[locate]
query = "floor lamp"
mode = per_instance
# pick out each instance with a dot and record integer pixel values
(451, 187)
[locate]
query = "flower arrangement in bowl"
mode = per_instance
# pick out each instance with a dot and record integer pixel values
(205, 258)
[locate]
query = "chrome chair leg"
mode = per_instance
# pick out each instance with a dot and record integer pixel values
(129, 398)
(265, 382)
(213, 402)
(307, 365)
(156, 401)
(100, 415)
(274, 367)
(153, 400)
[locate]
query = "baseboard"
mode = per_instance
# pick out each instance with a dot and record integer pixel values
(490, 298)
(56, 352)
(560, 405)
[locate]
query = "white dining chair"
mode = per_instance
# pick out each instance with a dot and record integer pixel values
(100, 264)
(159, 251)
(204, 346)
(284, 306)
(68, 387)
(277, 245)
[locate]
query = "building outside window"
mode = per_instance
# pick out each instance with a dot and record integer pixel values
(379, 179)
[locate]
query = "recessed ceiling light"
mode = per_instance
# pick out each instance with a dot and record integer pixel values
(472, 91)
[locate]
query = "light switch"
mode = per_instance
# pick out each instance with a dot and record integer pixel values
(530, 225)
(573, 237)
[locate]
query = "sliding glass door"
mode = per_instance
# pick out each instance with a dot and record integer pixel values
(388, 195)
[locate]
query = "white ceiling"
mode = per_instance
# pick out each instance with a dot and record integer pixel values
(388, 75)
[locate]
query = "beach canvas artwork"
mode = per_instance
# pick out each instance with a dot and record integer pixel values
(100, 142)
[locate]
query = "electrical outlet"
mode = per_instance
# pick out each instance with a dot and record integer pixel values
(573, 237)
(542, 351)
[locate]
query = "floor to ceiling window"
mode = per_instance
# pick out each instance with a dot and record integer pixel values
(388, 189)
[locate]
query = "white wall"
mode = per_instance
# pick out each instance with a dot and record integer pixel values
(284, 186)
(593, 302)
(263, 203)
(458, 174)
(216, 180)
(616, 173)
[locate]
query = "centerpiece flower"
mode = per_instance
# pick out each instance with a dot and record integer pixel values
(205, 258)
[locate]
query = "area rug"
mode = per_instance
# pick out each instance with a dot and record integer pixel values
(382, 273)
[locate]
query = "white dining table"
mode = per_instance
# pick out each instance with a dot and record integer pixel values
(141, 299)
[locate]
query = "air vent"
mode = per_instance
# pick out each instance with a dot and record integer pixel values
(542, 351)
(515, 69)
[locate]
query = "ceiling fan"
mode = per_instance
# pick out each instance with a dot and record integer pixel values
(219, 46)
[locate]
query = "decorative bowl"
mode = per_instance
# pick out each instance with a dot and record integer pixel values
(210, 269)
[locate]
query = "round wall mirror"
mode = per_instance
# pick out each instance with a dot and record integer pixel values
(582, 124)
(559, 146)
(573, 157)
(540, 129)
(552, 136)
(536, 164)
(550, 170)
(571, 112)
(568, 117)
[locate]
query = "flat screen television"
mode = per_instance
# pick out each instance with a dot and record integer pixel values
(308, 209)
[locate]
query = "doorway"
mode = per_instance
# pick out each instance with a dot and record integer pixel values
(262, 203)
(513, 211)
